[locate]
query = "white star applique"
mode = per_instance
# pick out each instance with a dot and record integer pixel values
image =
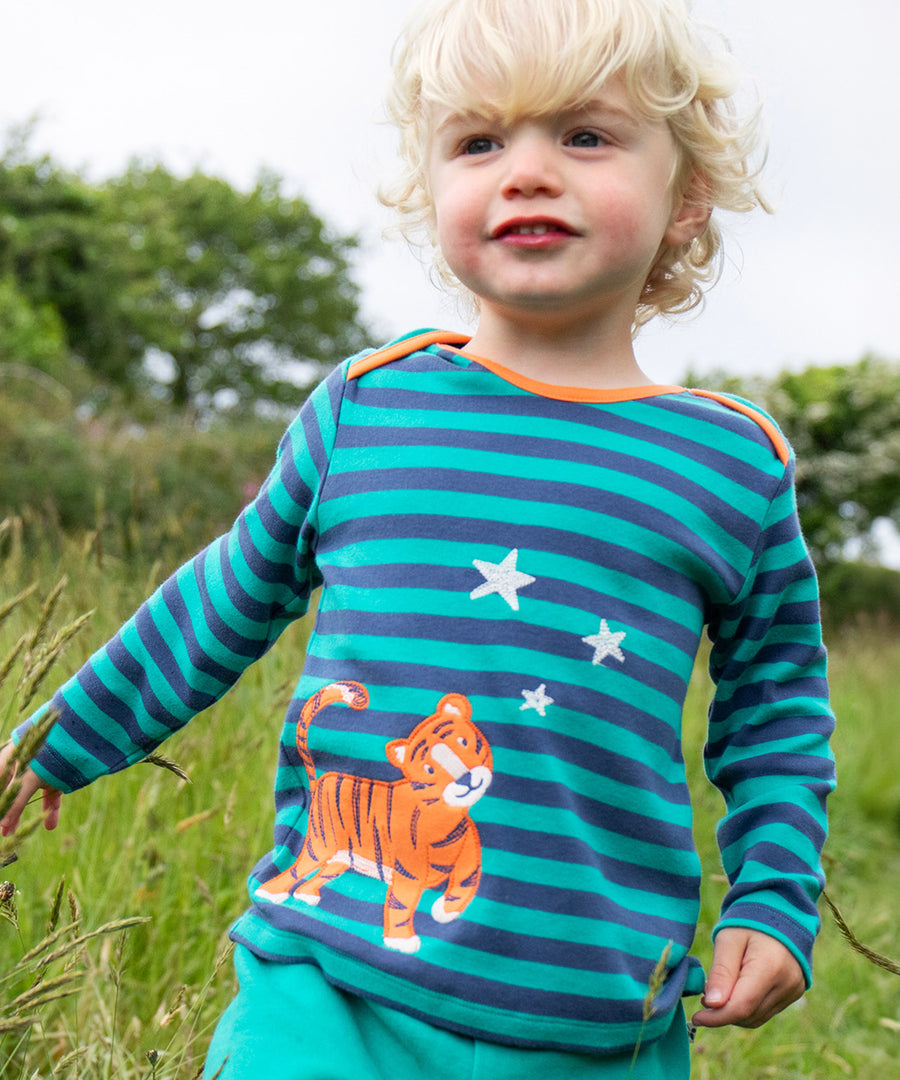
(536, 699)
(502, 578)
(605, 643)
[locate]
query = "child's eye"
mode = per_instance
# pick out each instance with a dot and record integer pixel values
(586, 140)
(481, 144)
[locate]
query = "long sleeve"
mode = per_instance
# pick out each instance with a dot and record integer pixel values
(192, 639)
(769, 726)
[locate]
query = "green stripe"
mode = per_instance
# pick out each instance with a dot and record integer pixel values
(536, 466)
(560, 822)
(500, 659)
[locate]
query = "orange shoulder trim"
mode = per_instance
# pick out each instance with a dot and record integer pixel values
(764, 422)
(403, 348)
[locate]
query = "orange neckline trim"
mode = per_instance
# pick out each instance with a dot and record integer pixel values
(572, 393)
(404, 347)
(452, 340)
(778, 441)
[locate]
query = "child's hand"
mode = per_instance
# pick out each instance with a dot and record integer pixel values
(31, 783)
(752, 978)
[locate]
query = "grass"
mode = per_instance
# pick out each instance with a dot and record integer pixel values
(147, 845)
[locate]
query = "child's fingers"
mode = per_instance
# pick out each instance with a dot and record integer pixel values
(6, 752)
(52, 801)
(748, 1006)
(728, 958)
(10, 820)
(764, 979)
(31, 784)
(751, 1005)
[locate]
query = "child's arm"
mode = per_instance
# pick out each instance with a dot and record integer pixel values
(31, 783)
(191, 641)
(767, 751)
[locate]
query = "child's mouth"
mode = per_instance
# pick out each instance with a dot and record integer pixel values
(532, 227)
(533, 232)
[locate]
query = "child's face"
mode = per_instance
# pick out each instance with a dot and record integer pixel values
(563, 214)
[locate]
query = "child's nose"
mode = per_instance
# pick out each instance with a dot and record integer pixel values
(532, 168)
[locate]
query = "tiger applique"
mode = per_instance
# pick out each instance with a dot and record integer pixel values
(413, 833)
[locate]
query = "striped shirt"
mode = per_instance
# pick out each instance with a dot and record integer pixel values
(482, 814)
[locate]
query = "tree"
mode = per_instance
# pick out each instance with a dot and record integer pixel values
(59, 283)
(31, 335)
(243, 293)
(184, 287)
(844, 424)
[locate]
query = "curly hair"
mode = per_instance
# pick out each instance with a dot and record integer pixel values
(515, 58)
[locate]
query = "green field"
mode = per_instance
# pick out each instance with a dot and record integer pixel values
(148, 844)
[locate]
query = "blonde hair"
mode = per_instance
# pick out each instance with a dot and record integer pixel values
(517, 58)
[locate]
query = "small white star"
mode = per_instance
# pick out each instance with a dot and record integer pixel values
(502, 578)
(605, 643)
(536, 699)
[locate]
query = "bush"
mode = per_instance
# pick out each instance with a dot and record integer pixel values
(856, 591)
(160, 491)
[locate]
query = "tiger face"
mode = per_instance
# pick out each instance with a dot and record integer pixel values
(446, 757)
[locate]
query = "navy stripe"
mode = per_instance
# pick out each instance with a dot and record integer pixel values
(575, 850)
(533, 407)
(548, 450)
(593, 812)
(200, 659)
(719, 585)
(751, 696)
(779, 859)
(672, 533)
(506, 633)
(720, 416)
(793, 726)
(739, 824)
(60, 766)
(133, 670)
(259, 610)
(573, 902)
(85, 734)
(442, 680)
(568, 957)
(587, 755)
(461, 580)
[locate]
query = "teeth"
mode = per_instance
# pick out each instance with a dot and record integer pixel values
(531, 230)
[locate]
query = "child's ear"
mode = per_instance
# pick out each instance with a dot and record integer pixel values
(692, 211)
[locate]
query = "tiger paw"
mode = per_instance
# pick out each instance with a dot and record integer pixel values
(440, 914)
(275, 898)
(404, 944)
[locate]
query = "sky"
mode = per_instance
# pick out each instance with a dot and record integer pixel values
(295, 87)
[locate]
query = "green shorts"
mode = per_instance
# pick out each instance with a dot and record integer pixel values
(289, 1023)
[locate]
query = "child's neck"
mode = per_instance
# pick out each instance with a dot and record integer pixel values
(572, 355)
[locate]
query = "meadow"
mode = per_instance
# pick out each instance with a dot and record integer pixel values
(114, 959)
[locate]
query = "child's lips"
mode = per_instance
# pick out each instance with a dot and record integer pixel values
(533, 232)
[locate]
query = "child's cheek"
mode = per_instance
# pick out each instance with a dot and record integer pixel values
(460, 238)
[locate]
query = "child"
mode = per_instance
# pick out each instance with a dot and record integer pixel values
(483, 863)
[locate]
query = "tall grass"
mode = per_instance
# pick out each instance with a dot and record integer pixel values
(144, 843)
(149, 845)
